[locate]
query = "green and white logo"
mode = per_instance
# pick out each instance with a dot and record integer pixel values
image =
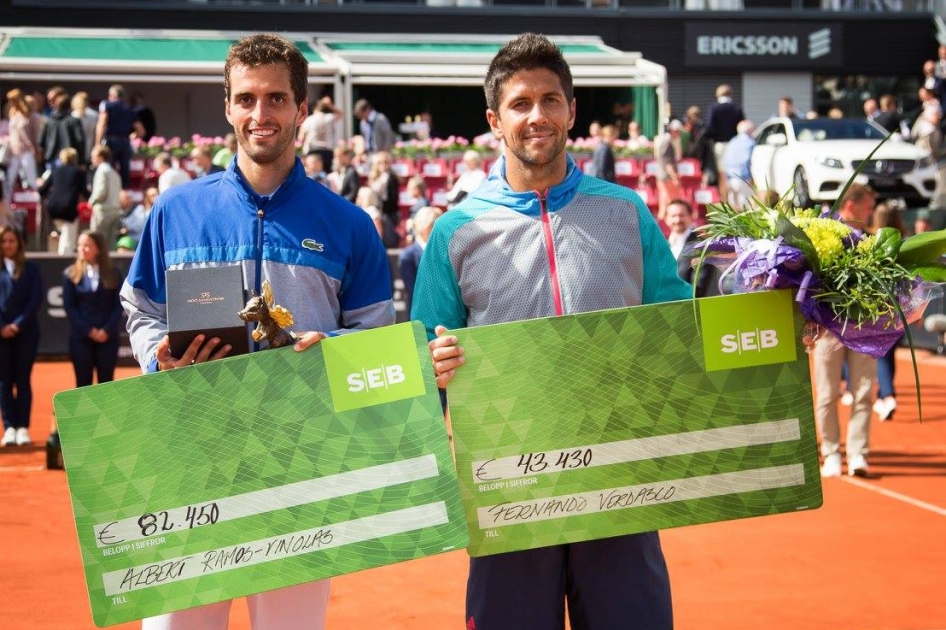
(748, 330)
(363, 372)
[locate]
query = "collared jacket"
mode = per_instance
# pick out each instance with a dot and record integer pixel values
(20, 298)
(88, 308)
(503, 256)
(321, 254)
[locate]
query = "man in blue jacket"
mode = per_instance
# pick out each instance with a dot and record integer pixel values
(321, 254)
(540, 239)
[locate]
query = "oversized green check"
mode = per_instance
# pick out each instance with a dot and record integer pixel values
(251, 473)
(615, 422)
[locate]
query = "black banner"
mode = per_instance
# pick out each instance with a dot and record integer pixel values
(764, 45)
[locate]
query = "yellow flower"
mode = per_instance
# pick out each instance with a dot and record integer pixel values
(809, 213)
(866, 245)
(826, 235)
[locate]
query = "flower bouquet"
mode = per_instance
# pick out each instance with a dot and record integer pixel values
(865, 289)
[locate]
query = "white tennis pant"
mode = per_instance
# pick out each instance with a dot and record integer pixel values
(300, 607)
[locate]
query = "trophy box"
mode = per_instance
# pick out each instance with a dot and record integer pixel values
(206, 300)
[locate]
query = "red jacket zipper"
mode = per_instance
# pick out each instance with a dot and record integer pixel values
(550, 248)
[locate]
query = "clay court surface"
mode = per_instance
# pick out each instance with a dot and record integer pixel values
(873, 558)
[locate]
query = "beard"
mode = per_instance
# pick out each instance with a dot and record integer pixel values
(539, 157)
(274, 150)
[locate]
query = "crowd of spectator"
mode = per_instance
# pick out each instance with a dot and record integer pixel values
(40, 127)
(76, 156)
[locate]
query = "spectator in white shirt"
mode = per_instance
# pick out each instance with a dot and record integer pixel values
(169, 173)
(473, 175)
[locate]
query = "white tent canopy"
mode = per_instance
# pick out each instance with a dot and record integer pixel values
(343, 60)
(451, 60)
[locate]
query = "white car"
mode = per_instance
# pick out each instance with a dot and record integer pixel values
(813, 160)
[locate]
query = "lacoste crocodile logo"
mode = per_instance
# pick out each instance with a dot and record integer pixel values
(313, 245)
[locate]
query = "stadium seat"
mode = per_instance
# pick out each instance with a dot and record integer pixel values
(689, 168)
(649, 195)
(650, 168)
(439, 198)
(24, 205)
(434, 171)
(403, 168)
(702, 197)
(456, 166)
(627, 172)
(136, 172)
(404, 199)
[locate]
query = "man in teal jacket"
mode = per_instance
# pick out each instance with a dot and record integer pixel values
(540, 239)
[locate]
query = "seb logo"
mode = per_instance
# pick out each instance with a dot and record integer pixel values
(374, 366)
(384, 376)
(747, 330)
(757, 340)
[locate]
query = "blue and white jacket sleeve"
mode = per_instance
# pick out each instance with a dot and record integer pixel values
(661, 281)
(366, 290)
(437, 300)
(144, 296)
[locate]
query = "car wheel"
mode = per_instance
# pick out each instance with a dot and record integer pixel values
(800, 187)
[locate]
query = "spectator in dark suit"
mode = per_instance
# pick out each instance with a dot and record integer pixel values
(888, 118)
(697, 145)
(90, 297)
(117, 121)
(63, 189)
(384, 181)
(21, 293)
(62, 130)
(145, 116)
(375, 127)
(348, 181)
(603, 158)
(679, 220)
(721, 121)
(409, 260)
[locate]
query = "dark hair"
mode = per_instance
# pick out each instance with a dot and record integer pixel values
(19, 259)
(887, 215)
(267, 49)
(529, 51)
(107, 274)
(62, 102)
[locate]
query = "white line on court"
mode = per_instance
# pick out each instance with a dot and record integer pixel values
(21, 469)
(896, 495)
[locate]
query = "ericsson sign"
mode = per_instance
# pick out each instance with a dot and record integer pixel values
(766, 44)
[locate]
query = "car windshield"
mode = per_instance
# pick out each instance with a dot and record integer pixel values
(836, 129)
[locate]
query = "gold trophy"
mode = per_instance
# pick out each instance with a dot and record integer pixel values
(271, 319)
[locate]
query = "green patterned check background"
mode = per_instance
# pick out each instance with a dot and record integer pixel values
(251, 473)
(615, 422)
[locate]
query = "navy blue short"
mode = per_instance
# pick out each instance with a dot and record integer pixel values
(610, 584)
